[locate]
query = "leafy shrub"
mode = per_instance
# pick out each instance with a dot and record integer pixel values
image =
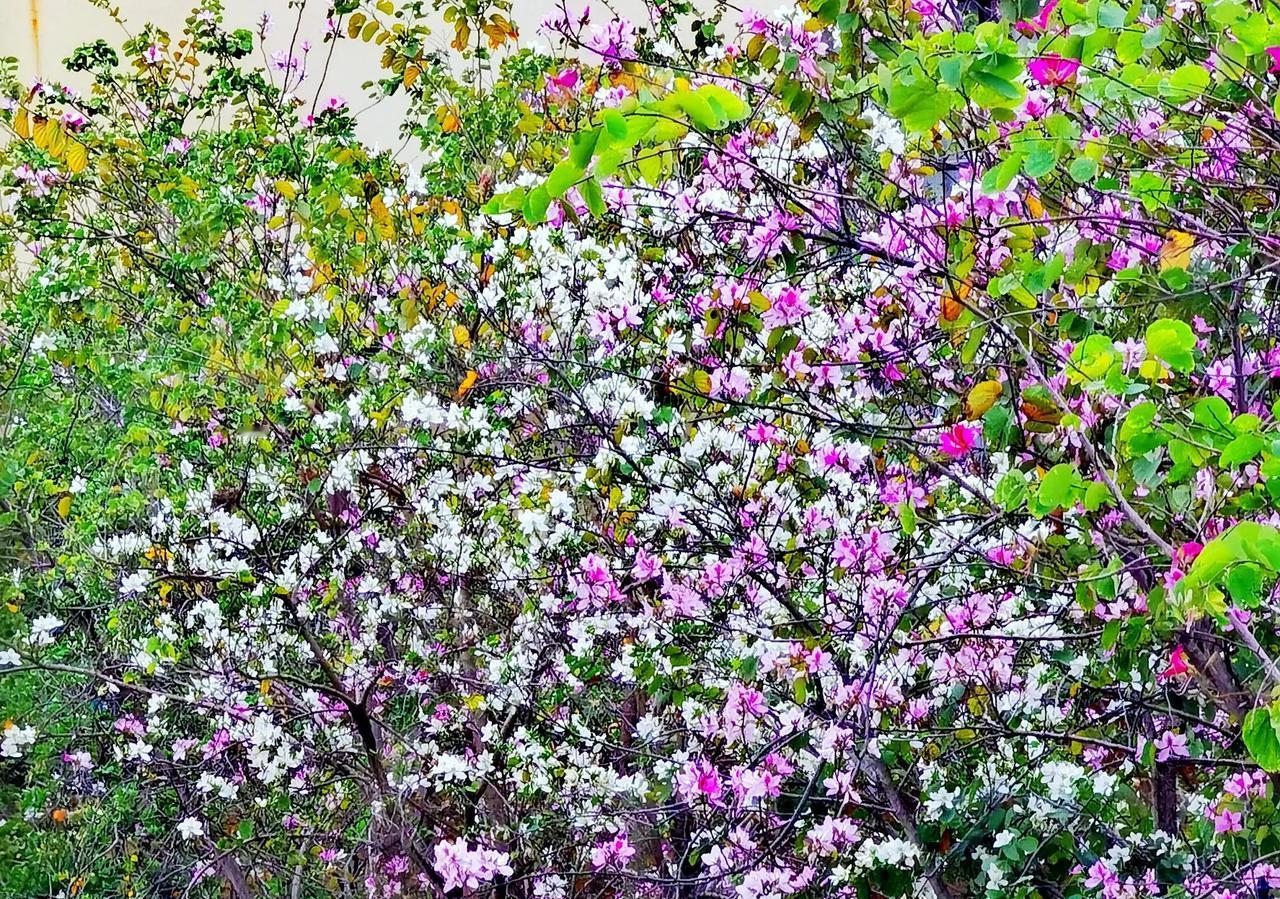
(823, 453)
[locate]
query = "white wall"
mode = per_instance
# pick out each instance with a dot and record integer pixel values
(41, 33)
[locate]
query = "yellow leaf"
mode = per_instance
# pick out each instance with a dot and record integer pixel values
(461, 336)
(981, 398)
(467, 383)
(287, 190)
(22, 123)
(1176, 252)
(383, 226)
(64, 505)
(77, 156)
(1153, 370)
(411, 74)
(57, 139)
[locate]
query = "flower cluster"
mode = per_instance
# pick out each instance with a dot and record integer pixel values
(825, 453)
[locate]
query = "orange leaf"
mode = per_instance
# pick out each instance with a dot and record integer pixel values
(467, 383)
(951, 308)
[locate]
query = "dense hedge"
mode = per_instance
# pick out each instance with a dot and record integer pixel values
(819, 453)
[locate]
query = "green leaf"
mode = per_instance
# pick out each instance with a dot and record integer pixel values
(1138, 420)
(563, 177)
(700, 112)
(614, 123)
(536, 204)
(582, 146)
(1111, 633)
(1097, 495)
(1129, 46)
(1040, 162)
(1111, 15)
(1260, 738)
(1082, 169)
(1002, 175)
(1240, 450)
(1187, 81)
(1092, 358)
(1212, 412)
(1172, 341)
(918, 105)
(907, 516)
(1058, 488)
(593, 196)
(733, 107)
(1000, 86)
(1011, 491)
(1244, 583)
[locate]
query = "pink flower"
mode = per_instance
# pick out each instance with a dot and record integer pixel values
(1227, 821)
(462, 867)
(1170, 746)
(790, 306)
(1274, 53)
(1177, 664)
(957, 441)
(1053, 70)
(617, 851)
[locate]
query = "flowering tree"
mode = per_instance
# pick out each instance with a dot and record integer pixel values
(818, 453)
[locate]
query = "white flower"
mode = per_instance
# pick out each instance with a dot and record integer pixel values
(134, 584)
(15, 738)
(9, 659)
(42, 629)
(885, 133)
(649, 728)
(190, 828)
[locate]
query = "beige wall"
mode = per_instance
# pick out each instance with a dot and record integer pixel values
(41, 33)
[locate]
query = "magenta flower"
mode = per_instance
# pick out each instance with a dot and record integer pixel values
(1274, 53)
(957, 441)
(1053, 70)
(565, 81)
(1040, 23)
(1177, 664)
(1187, 552)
